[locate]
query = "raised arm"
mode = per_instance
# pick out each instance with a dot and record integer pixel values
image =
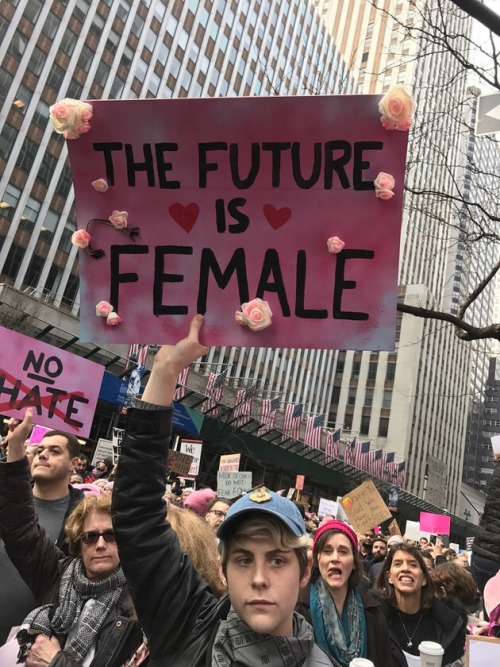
(29, 547)
(168, 593)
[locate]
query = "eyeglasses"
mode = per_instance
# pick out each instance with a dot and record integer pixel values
(218, 513)
(92, 537)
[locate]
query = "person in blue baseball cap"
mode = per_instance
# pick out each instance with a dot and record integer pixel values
(262, 548)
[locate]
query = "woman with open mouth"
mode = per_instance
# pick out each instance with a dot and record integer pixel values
(414, 614)
(347, 622)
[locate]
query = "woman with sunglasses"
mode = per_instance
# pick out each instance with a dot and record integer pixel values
(86, 617)
(414, 613)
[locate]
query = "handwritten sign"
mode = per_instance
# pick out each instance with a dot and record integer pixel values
(232, 484)
(103, 450)
(117, 442)
(328, 508)
(193, 448)
(179, 462)
(61, 387)
(365, 507)
(229, 462)
(239, 203)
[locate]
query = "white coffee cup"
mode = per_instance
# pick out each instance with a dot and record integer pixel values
(361, 662)
(431, 654)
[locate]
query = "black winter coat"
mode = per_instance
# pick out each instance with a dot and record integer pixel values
(176, 608)
(487, 541)
(41, 564)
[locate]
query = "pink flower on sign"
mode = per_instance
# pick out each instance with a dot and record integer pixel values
(80, 238)
(255, 314)
(119, 219)
(335, 245)
(71, 117)
(113, 319)
(103, 309)
(384, 194)
(383, 186)
(396, 109)
(101, 185)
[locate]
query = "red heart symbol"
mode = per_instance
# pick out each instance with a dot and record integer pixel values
(277, 217)
(185, 216)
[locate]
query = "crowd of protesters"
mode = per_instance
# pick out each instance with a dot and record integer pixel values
(102, 567)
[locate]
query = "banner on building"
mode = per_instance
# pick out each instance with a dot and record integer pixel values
(62, 388)
(239, 203)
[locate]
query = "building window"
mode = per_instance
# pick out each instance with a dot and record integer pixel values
(64, 185)
(383, 427)
(37, 61)
(56, 77)
(356, 367)
(365, 425)
(51, 25)
(13, 261)
(387, 399)
(368, 398)
(7, 140)
(32, 11)
(372, 370)
(27, 155)
(47, 168)
(390, 372)
(351, 398)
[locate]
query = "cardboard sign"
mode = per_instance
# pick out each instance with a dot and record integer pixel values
(365, 507)
(235, 204)
(394, 528)
(233, 484)
(193, 448)
(61, 387)
(103, 450)
(179, 462)
(328, 508)
(436, 524)
(482, 651)
(229, 462)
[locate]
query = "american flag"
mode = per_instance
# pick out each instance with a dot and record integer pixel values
(387, 457)
(269, 408)
(314, 431)
(293, 417)
(374, 462)
(349, 454)
(243, 405)
(400, 481)
(137, 354)
(181, 389)
(213, 390)
(332, 443)
(392, 472)
(361, 449)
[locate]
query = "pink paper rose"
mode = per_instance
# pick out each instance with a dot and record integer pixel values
(384, 181)
(396, 109)
(119, 219)
(103, 309)
(71, 117)
(255, 314)
(101, 185)
(80, 238)
(384, 194)
(113, 319)
(335, 245)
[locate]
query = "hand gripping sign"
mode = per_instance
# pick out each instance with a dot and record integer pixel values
(278, 218)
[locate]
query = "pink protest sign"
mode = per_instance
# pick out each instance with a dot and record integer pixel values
(37, 434)
(234, 199)
(61, 387)
(436, 524)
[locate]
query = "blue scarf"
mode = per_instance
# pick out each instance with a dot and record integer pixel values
(342, 637)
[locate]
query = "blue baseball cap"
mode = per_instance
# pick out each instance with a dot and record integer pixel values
(263, 500)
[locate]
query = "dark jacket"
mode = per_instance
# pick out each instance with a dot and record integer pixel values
(487, 541)
(41, 564)
(450, 627)
(378, 645)
(177, 610)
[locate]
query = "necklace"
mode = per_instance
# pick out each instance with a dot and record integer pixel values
(410, 643)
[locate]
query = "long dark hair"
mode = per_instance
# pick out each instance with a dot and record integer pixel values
(387, 590)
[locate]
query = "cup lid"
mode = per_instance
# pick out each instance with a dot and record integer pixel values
(431, 648)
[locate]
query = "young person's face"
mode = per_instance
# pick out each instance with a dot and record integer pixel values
(52, 462)
(336, 562)
(406, 575)
(263, 584)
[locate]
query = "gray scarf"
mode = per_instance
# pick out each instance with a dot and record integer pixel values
(236, 644)
(74, 591)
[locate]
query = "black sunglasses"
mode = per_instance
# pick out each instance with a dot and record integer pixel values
(92, 537)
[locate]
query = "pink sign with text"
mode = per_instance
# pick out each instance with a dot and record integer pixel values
(233, 199)
(62, 388)
(436, 524)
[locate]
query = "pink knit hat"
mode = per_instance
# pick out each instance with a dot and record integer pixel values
(338, 527)
(198, 501)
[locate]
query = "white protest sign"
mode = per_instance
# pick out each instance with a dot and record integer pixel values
(495, 443)
(117, 442)
(232, 484)
(328, 508)
(413, 532)
(103, 450)
(193, 448)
